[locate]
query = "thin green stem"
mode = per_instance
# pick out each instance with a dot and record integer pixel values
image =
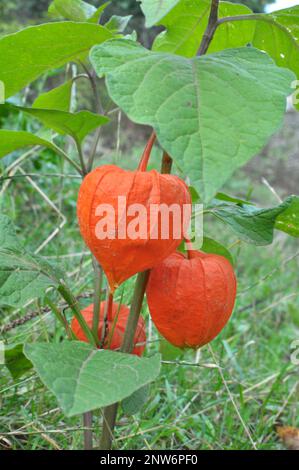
(62, 320)
(98, 279)
(74, 306)
(81, 158)
(60, 152)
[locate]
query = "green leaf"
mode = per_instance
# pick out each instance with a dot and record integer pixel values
(227, 198)
(98, 13)
(212, 246)
(75, 10)
(211, 114)
(275, 33)
(26, 55)
(84, 379)
(117, 24)
(58, 98)
(168, 351)
(288, 220)
(15, 360)
(251, 224)
(77, 125)
(133, 404)
(14, 140)
(155, 10)
(187, 22)
(23, 276)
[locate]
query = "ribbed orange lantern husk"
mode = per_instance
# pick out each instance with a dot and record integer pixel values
(112, 341)
(119, 255)
(191, 299)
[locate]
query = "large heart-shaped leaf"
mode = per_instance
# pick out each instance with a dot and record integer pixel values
(275, 33)
(84, 379)
(211, 114)
(26, 55)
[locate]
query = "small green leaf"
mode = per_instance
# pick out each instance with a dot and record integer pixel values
(117, 24)
(235, 200)
(134, 403)
(15, 360)
(155, 10)
(23, 276)
(288, 220)
(15, 140)
(168, 351)
(212, 246)
(58, 98)
(251, 224)
(77, 125)
(209, 127)
(75, 10)
(84, 379)
(29, 53)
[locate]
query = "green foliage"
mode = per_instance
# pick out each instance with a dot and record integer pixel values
(58, 98)
(23, 276)
(288, 220)
(254, 225)
(14, 140)
(155, 10)
(77, 125)
(60, 42)
(84, 379)
(134, 403)
(15, 360)
(212, 246)
(213, 133)
(257, 6)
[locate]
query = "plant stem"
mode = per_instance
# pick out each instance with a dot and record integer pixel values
(211, 28)
(98, 277)
(60, 152)
(81, 158)
(110, 412)
(87, 423)
(60, 318)
(166, 163)
(74, 306)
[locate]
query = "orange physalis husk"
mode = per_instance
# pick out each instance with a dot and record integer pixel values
(115, 327)
(121, 256)
(191, 299)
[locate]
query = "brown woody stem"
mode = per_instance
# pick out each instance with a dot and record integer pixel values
(166, 163)
(211, 28)
(110, 412)
(87, 423)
